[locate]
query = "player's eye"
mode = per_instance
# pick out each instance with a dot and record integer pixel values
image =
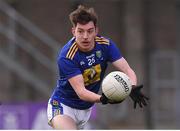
(90, 31)
(80, 31)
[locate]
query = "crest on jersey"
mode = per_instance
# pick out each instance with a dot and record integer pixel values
(55, 103)
(98, 54)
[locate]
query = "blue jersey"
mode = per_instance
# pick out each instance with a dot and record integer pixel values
(92, 65)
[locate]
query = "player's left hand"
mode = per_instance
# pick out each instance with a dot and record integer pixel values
(138, 97)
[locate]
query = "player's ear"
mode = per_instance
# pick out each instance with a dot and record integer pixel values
(73, 31)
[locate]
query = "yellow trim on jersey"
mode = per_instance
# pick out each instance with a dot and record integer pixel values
(73, 49)
(70, 49)
(76, 48)
(102, 40)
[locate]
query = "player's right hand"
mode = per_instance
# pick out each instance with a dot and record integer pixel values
(104, 100)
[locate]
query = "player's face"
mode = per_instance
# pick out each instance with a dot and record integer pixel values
(85, 35)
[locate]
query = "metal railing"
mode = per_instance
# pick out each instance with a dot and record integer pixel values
(27, 46)
(165, 92)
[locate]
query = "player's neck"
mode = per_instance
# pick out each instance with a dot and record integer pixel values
(88, 49)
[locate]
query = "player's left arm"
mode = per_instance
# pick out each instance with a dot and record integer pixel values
(122, 65)
(136, 95)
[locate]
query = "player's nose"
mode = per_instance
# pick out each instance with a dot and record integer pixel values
(85, 36)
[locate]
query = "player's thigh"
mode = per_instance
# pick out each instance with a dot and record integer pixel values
(83, 117)
(63, 122)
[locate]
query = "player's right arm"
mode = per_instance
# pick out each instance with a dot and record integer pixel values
(77, 82)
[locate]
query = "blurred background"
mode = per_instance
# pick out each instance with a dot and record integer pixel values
(146, 31)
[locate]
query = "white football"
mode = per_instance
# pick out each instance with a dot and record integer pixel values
(116, 86)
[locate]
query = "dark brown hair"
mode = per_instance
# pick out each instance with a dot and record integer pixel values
(83, 15)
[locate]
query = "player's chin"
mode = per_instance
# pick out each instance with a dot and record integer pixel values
(86, 47)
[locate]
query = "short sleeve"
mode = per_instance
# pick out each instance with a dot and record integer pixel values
(68, 68)
(113, 52)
